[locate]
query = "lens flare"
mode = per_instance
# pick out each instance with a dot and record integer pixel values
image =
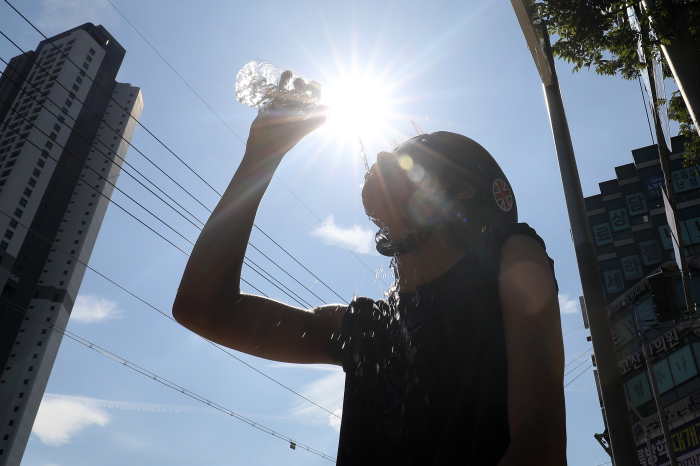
(358, 107)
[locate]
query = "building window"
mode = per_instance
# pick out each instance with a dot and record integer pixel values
(75, 87)
(31, 182)
(23, 202)
(44, 153)
(8, 234)
(41, 163)
(49, 145)
(4, 245)
(56, 127)
(79, 80)
(92, 52)
(53, 136)
(68, 103)
(27, 192)
(89, 58)
(11, 163)
(64, 110)
(81, 73)
(36, 173)
(13, 223)
(18, 213)
(5, 173)
(85, 65)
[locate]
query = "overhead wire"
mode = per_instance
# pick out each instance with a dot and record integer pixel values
(122, 208)
(140, 124)
(574, 379)
(161, 380)
(164, 314)
(236, 135)
(248, 283)
(572, 361)
(582, 363)
(577, 328)
(45, 95)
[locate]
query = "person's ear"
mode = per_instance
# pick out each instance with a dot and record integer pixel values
(465, 191)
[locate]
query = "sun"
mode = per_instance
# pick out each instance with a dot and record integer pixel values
(358, 107)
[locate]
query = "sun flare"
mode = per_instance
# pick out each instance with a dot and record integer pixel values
(358, 107)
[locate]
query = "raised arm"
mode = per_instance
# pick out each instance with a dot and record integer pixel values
(209, 301)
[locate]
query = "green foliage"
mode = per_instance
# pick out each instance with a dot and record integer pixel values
(679, 112)
(596, 33)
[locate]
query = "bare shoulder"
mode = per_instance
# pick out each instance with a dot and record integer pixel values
(526, 280)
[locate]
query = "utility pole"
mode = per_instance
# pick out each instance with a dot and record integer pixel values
(657, 395)
(624, 449)
(682, 54)
(674, 223)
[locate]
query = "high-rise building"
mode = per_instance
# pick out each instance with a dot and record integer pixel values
(633, 242)
(65, 127)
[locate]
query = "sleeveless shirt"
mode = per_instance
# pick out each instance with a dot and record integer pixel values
(426, 371)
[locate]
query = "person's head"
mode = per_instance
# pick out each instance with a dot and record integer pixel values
(436, 181)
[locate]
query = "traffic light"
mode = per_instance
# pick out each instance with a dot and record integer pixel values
(663, 294)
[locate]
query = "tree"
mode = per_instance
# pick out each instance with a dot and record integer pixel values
(596, 33)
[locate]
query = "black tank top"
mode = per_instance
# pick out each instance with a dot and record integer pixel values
(425, 371)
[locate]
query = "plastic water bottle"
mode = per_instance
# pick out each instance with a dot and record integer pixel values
(267, 87)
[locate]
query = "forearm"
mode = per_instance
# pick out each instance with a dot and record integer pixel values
(213, 271)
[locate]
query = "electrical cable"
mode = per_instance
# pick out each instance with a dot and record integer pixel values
(159, 379)
(96, 190)
(175, 71)
(115, 203)
(90, 168)
(233, 132)
(645, 109)
(578, 328)
(582, 363)
(75, 122)
(47, 108)
(140, 124)
(571, 362)
(572, 381)
(216, 345)
(110, 97)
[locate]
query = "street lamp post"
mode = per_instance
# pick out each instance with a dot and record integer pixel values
(624, 450)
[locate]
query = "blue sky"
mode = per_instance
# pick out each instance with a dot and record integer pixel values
(461, 66)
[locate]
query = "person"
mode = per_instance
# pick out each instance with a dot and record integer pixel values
(462, 363)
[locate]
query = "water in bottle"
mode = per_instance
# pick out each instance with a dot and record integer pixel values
(267, 87)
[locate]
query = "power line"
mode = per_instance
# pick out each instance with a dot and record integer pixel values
(578, 376)
(571, 362)
(46, 108)
(76, 122)
(161, 380)
(115, 203)
(645, 109)
(577, 328)
(164, 314)
(175, 71)
(238, 137)
(163, 144)
(582, 363)
(110, 97)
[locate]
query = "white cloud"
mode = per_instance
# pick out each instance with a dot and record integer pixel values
(327, 392)
(568, 306)
(357, 238)
(60, 15)
(90, 308)
(61, 418)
